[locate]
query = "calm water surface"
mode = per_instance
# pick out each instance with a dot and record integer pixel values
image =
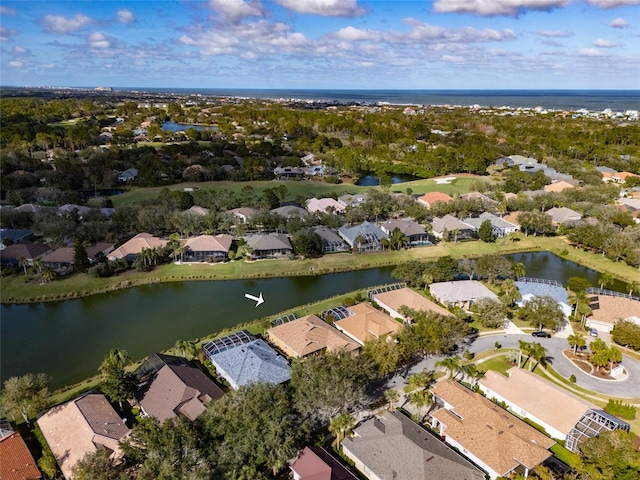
(67, 340)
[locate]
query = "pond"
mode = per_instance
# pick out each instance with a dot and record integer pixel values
(178, 127)
(67, 340)
(371, 180)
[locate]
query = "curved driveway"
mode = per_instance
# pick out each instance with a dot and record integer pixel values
(628, 388)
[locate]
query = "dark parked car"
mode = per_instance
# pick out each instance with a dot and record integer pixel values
(541, 334)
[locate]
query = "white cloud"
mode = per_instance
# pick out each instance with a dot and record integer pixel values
(15, 64)
(613, 3)
(126, 16)
(97, 40)
(353, 34)
(19, 51)
(60, 24)
(237, 9)
(6, 33)
(423, 32)
(492, 8)
(619, 23)
(552, 34)
(603, 43)
(590, 52)
(6, 10)
(326, 8)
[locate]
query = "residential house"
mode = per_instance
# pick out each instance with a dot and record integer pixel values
(60, 260)
(558, 186)
(30, 208)
(172, 387)
(353, 200)
(552, 407)
(11, 255)
(367, 323)
(563, 215)
(431, 198)
(244, 213)
(616, 177)
(315, 463)
(492, 438)
(307, 335)
(99, 249)
(512, 218)
(537, 287)
(393, 446)
(130, 249)
(499, 226)
(449, 227)
(242, 359)
(289, 172)
(16, 461)
(487, 203)
(608, 307)
(325, 205)
(72, 209)
(415, 233)
(9, 236)
(289, 211)
(269, 245)
(363, 237)
(461, 293)
(197, 210)
(82, 426)
(129, 175)
(207, 248)
(392, 300)
(331, 241)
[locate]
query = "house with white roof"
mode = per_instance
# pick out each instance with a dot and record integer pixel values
(461, 293)
(499, 226)
(325, 205)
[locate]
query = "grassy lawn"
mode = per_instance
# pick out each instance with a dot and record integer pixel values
(564, 455)
(499, 364)
(296, 188)
(22, 288)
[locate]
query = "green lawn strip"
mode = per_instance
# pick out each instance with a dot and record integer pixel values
(564, 455)
(498, 363)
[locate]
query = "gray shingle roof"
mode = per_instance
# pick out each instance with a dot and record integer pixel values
(496, 221)
(559, 294)
(408, 227)
(365, 228)
(272, 241)
(252, 362)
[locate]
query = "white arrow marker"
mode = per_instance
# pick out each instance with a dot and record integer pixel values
(258, 300)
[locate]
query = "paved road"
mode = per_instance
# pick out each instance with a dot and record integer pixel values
(628, 388)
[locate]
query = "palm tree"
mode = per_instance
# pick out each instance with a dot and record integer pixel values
(524, 348)
(539, 354)
(398, 239)
(392, 395)
(421, 380)
(577, 340)
(37, 264)
(519, 269)
(633, 287)
(420, 399)
(473, 373)
(23, 263)
(185, 348)
(452, 364)
(511, 294)
(605, 279)
(342, 425)
(358, 241)
(47, 275)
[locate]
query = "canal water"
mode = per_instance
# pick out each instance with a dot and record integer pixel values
(179, 127)
(68, 340)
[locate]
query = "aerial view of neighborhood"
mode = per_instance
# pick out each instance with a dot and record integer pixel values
(320, 240)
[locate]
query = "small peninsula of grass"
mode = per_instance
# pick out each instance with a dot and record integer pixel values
(25, 289)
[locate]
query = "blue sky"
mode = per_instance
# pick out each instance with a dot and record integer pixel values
(342, 44)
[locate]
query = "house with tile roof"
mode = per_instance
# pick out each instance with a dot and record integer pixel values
(393, 300)
(431, 198)
(16, 461)
(307, 335)
(197, 210)
(460, 293)
(324, 205)
(244, 213)
(289, 211)
(61, 260)
(494, 439)
(552, 407)
(81, 426)
(486, 202)
(415, 233)
(607, 307)
(269, 245)
(363, 237)
(367, 323)
(563, 215)
(246, 361)
(558, 186)
(175, 387)
(12, 254)
(315, 463)
(499, 226)
(130, 249)
(331, 241)
(450, 227)
(392, 446)
(207, 248)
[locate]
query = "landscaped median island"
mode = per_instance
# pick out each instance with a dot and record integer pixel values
(25, 289)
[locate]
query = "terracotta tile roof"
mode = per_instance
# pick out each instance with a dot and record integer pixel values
(309, 334)
(512, 218)
(550, 403)
(430, 198)
(209, 243)
(16, 462)
(136, 244)
(394, 447)
(395, 299)
(558, 186)
(77, 427)
(367, 322)
(178, 389)
(493, 435)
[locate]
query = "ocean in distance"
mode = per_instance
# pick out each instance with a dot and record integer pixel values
(593, 100)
